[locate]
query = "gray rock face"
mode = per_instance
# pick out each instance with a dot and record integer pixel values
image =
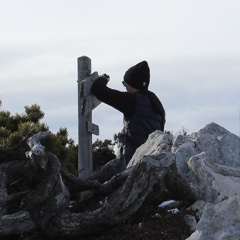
(219, 221)
(210, 161)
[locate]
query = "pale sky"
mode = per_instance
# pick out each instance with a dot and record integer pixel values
(192, 47)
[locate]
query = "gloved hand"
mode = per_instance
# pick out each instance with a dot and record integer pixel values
(104, 78)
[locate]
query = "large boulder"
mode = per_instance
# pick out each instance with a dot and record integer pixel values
(210, 161)
(219, 221)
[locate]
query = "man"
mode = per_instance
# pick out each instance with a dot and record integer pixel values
(142, 110)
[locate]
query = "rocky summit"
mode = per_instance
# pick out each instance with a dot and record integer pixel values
(210, 161)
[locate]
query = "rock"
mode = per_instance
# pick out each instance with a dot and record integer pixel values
(221, 146)
(198, 208)
(212, 166)
(219, 221)
(211, 180)
(156, 144)
(183, 147)
(191, 222)
(209, 160)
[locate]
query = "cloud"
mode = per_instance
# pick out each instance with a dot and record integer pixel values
(192, 48)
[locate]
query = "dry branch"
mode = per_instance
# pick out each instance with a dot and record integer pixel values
(102, 200)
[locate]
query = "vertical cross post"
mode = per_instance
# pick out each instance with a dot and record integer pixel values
(85, 165)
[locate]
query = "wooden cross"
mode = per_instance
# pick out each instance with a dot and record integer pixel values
(86, 103)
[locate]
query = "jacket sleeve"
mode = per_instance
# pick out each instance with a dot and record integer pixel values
(122, 101)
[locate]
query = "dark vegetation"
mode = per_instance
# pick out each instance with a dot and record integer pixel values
(15, 129)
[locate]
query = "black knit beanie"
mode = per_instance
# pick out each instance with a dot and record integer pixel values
(138, 76)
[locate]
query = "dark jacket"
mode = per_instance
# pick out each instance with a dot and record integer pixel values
(143, 114)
